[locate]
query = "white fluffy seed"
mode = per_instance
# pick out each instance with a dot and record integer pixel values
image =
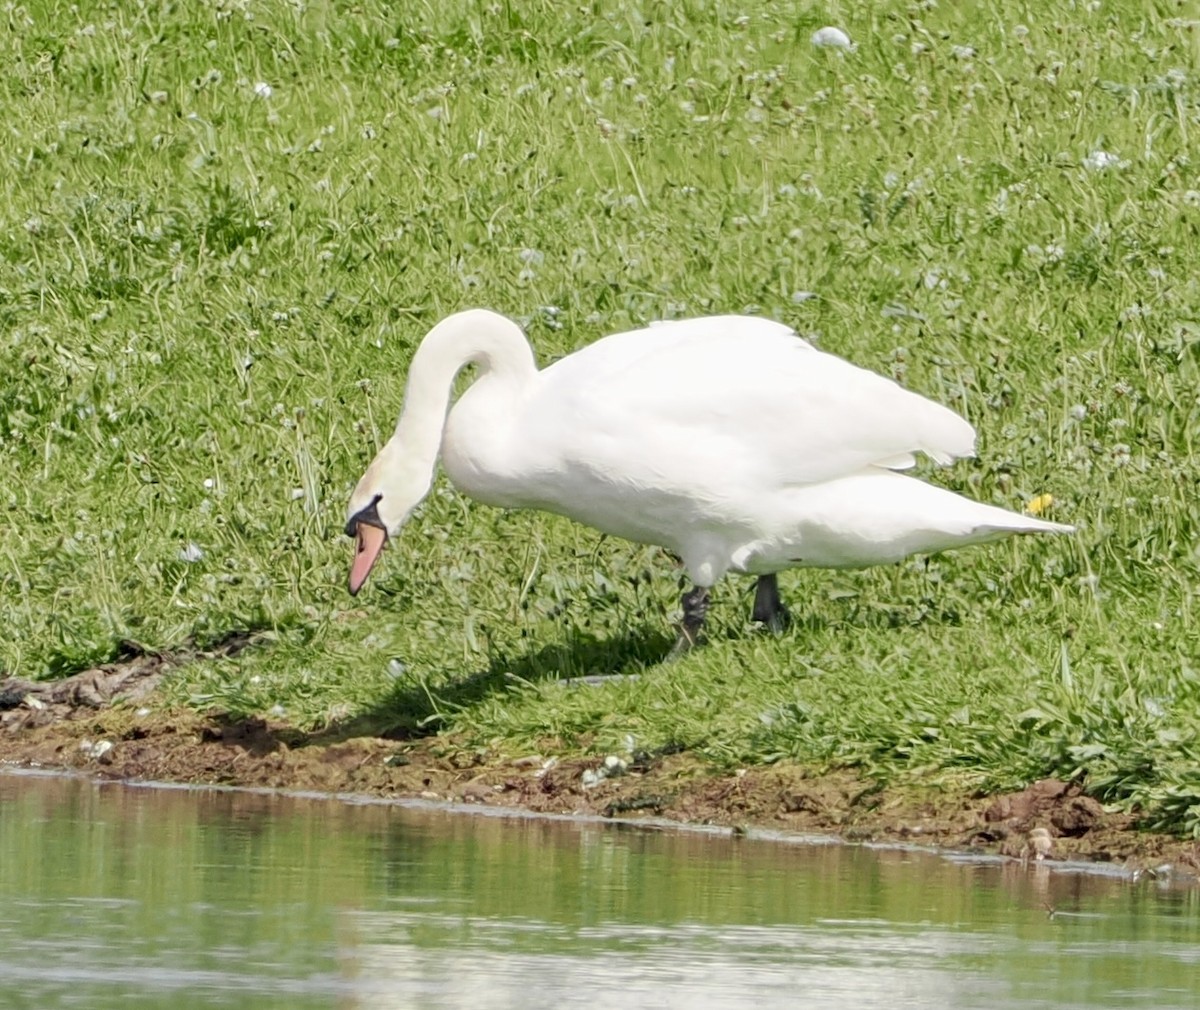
(831, 38)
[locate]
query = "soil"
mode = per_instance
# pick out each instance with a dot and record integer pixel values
(105, 722)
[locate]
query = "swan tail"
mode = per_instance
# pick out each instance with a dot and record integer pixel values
(1015, 522)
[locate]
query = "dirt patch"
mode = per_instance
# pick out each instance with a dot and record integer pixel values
(128, 741)
(132, 678)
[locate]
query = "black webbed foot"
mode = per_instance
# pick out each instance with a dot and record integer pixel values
(695, 607)
(769, 610)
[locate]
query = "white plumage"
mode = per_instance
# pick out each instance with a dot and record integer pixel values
(727, 440)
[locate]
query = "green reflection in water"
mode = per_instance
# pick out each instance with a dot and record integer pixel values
(114, 896)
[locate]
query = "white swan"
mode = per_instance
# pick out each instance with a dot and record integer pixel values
(727, 440)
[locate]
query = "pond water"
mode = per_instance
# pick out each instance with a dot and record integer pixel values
(124, 897)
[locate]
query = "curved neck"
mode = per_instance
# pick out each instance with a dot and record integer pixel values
(490, 341)
(475, 337)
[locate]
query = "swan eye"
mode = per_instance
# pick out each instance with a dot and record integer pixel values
(368, 514)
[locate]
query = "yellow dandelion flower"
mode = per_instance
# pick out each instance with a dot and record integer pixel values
(1039, 504)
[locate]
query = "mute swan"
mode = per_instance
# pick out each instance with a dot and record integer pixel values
(728, 440)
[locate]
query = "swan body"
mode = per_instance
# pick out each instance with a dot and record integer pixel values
(728, 440)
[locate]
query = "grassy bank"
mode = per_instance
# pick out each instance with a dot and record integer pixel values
(226, 225)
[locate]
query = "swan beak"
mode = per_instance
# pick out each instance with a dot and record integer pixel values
(369, 541)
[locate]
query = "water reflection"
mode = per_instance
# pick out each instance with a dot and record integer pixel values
(117, 896)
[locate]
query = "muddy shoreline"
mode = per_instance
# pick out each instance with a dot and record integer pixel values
(105, 723)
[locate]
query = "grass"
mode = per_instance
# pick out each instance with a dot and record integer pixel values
(226, 225)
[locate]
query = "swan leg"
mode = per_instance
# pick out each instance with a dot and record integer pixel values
(695, 607)
(768, 607)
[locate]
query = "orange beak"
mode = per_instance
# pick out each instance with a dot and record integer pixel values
(369, 541)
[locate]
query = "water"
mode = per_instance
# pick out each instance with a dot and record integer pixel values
(121, 897)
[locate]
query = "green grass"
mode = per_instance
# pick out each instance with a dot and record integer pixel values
(209, 295)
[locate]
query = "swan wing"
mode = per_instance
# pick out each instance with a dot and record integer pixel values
(733, 398)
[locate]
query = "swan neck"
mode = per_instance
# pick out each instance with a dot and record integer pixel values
(494, 344)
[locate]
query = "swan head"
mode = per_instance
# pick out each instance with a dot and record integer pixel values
(380, 505)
